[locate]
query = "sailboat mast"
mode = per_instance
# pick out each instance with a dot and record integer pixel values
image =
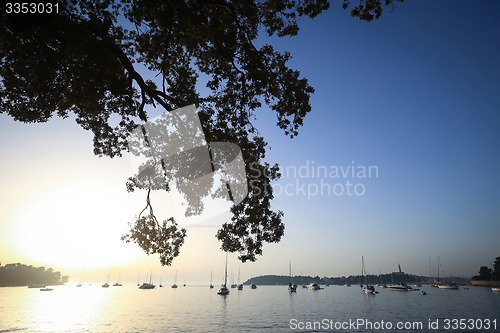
(225, 273)
(439, 264)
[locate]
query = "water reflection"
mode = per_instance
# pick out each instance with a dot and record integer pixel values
(223, 311)
(200, 309)
(57, 311)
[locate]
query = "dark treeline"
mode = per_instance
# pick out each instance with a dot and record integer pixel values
(356, 279)
(489, 273)
(23, 275)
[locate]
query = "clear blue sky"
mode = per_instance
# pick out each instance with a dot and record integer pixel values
(415, 95)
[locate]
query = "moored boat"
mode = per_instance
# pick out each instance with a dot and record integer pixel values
(366, 288)
(313, 286)
(147, 285)
(223, 289)
(448, 286)
(400, 287)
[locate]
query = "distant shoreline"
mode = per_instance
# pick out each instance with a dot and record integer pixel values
(484, 283)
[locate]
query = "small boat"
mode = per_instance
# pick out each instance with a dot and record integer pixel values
(46, 289)
(223, 291)
(239, 286)
(366, 288)
(118, 284)
(292, 287)
(80, 283)
(423, 292)
(400, 287)
(495, 289)
(175, 281)
(106, 285)
(453, 286)
(253, 286)
(313, 286)
(147, 285)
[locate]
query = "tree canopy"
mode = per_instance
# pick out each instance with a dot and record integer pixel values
(489, 273)
(108, 63)
(22, 275)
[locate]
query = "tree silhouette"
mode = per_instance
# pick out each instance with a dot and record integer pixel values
(88, 60)
(496, 269)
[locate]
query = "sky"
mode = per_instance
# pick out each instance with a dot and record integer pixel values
(397, 162)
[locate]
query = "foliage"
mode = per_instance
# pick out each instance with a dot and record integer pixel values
(23, 275)
(89, 61)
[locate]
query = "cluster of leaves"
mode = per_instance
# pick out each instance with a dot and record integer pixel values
(164, 239)
(88, 61)
(367, 10)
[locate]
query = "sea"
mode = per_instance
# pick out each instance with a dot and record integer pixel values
(92, 308)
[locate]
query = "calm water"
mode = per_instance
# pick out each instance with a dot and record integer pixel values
(265, 309)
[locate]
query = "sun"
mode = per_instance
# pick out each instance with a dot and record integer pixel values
(73, 226)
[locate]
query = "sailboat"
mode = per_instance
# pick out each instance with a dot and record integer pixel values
(446, 284)
(291, 286)
(223, 289)
(106, 285)
(118, 284)
(147, 285)
(437, 282)
(240, 285)
(211, 284)
(175, 281)
(367, 289)
(80, 283)
(233, 285)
